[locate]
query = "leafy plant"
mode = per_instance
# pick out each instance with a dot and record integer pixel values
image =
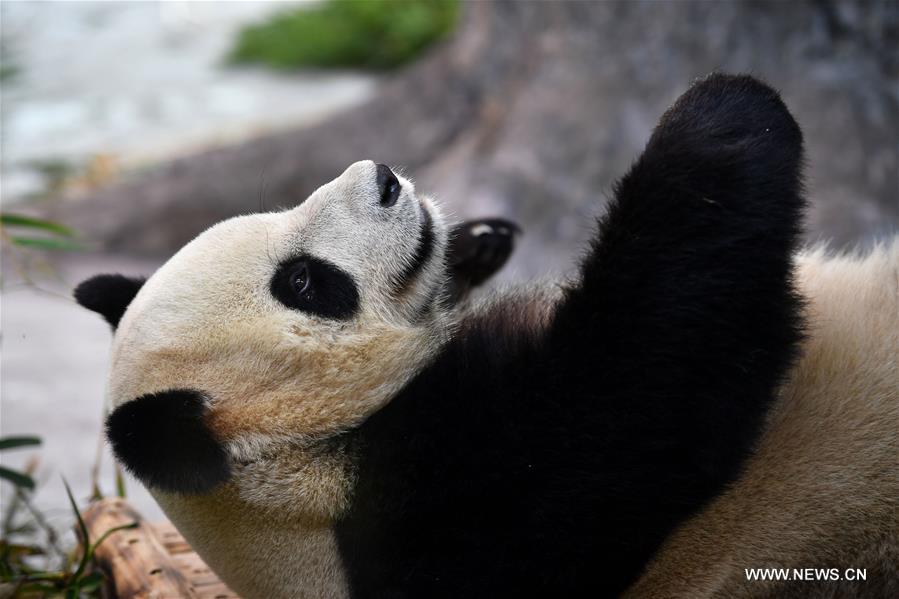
(65, 574)
(365, 34)
(32, 565)
(31, 232)
(20, 479)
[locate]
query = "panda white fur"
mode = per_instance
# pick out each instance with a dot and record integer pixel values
(318, 423)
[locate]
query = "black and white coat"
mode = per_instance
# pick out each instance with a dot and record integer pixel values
(553, 460)
(527, 447)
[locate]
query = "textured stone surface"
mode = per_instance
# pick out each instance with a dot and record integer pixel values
(105, 87)
(534, 109)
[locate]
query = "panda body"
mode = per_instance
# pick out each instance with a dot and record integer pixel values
(309, 413)
(822, 489)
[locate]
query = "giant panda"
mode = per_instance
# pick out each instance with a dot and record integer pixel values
(301, 398)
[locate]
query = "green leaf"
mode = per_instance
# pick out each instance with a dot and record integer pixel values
(17, 478)
(91, 581)
(82, 528)
(48, 243)
(49, 590)
(16, 550)
(20, 220)
(47, 576)
(105, 535)
(14, 442)
(119, 481)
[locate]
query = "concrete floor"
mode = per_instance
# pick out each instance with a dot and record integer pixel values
(52, 373)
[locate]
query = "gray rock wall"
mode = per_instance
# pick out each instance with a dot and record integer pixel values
(534, 109)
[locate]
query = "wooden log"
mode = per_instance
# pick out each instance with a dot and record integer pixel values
(202, 579)
(150, 561)
(137, 563)
(170, 538)
(215, 591)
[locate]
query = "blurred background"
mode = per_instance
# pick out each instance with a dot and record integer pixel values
(129, 127)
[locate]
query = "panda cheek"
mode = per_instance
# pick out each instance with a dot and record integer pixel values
(163, 439)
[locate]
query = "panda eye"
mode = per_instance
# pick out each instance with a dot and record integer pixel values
(300, 280)
(315, 286)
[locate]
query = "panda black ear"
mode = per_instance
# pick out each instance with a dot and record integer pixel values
(108, 295)
(478, 250)
(163, 439)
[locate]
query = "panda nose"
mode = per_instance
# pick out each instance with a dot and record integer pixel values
(388, 186)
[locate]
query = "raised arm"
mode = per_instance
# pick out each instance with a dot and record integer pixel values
(686, 301)
(685, 320)
(554, 461)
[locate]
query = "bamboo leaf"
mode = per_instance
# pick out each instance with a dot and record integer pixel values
(105, 535)
(82, 529)
(48, 243)
(16, 550)
(119, 481)
(14, 442)
(17, 478)
(20, 220)
(46, 577)
(92, 581)
(37, 587)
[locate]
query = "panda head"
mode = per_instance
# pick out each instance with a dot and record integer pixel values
(258, 343)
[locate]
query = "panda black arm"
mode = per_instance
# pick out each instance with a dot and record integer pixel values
(686, 319)
(702, 228)
(686, 309)
(525, 464)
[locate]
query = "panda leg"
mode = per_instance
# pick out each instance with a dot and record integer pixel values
(478, 250)
(686, 307)
(686, 319)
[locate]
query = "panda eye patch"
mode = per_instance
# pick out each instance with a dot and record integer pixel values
(316, 287)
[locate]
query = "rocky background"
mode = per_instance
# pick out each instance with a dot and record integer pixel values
(533, 109)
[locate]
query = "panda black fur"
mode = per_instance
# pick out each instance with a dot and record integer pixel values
(821, 490)
(518, 449)
(530, 462)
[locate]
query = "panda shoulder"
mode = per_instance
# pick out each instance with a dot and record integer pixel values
(852, 306)
(844, 282)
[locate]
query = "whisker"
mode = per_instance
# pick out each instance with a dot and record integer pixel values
(268, 252)
(262, 189)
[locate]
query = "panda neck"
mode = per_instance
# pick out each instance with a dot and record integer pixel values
(259, 553)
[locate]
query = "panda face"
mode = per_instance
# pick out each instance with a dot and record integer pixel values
(272, 332)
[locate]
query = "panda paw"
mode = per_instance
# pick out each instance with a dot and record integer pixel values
(728, 156)
(731, 125)
(478, 250)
